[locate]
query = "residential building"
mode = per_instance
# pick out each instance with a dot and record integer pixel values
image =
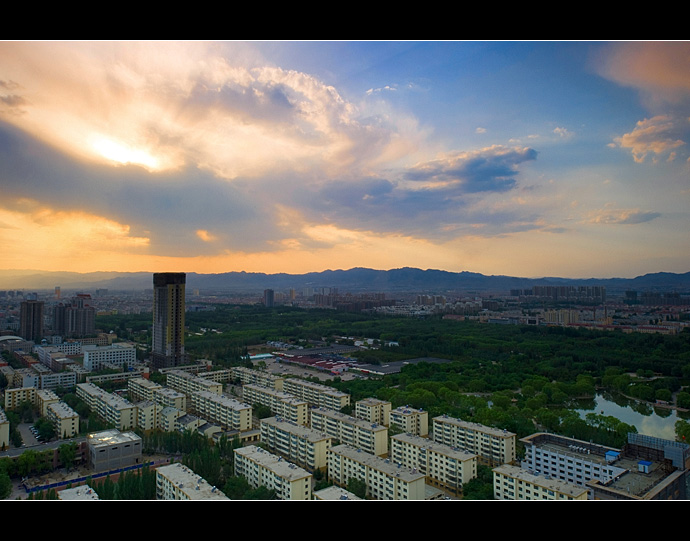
(168, 320)
(373, 410)
(111, 408)
(178, 482)
(4, 430)
(516, 483)
(385, 480)
(410, 420)
(118, 356)
(361, 434)
(187, 383)
(300, 444)
(79, 493)
(493, 446)
(221, 409)
(284, 405)
(261, 468)
(257, 377)
(316, 394)
(31, 320)
(64, 419)
(446, 467)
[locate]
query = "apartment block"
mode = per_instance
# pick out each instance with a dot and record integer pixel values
(373, 410)
(221, 409)
(385, 480)
(304, 446)
(45, 398)
(316, 394)
(118, 356)
(178, 482)
(261, 468)
(410, 421)
(281, 404)
(4, 430)
(257, 377)
(148, 415)
(370, 437)
(187, 383)
(493, 446)
(111, 408)
(64, 419)
(446, 467)
(15, 396)
(515, 483)
(142, 388)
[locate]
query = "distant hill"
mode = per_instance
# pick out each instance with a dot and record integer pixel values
(352, 280)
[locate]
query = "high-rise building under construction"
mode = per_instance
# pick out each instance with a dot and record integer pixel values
(168, 319)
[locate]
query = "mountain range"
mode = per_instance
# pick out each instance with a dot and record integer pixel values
(351, 280)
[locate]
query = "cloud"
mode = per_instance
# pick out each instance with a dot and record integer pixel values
(657, 136)
(622, 216)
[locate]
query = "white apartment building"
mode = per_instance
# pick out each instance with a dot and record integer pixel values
(373, 410)
(570, 460)
(142, 388)
(45, 398)
(261, 468)
(280, 403)
(221, 409)
(257, 377)
(385, 480)
(446, 467)
(410, 421)
(316, 394)
(493, 446)
(116, 355)
(297, 443)
(515, 483)
(178, 482)
(361, 434)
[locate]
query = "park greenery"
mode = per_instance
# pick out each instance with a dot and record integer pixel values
(517, 377)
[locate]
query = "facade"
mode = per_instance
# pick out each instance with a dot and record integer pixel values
(15, 396)
(493, 446)
(373, 410)
(515, 483)
(64, 419)
(4, 430)
(300, 444)
(257, 377)
(370, 437)
(281, 404)
(385, 480)
(410, 421)
(31, 320)
(112, 449)
(119, 356)
(446, 467)
(178, 482)
(76, 318)
(168, 320)
(221, 409)
(111, 408)
(316, 394)
(187, 383)
(261, 468)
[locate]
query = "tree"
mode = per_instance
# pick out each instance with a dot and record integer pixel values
(357, 487)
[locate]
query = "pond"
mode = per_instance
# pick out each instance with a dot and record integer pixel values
(649, 420)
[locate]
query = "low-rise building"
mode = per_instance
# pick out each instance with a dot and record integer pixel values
(446, 467)
(410, 420)
(300, 444)
(178, 482)
(261, 468)
(515, 483)
(317, 394)
(281, 404)
(112, 449)
(373, 410)
(493, 446)
(384, 479)
(361, 434)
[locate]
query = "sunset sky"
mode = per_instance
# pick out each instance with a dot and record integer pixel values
(519, 158)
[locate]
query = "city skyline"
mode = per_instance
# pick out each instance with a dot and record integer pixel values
(502, 158)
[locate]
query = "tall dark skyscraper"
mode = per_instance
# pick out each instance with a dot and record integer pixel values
(31, 320)
(168, 319)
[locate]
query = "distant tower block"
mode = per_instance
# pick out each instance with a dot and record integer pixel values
(168, 319)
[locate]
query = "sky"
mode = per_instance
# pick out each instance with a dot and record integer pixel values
(526, 159)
